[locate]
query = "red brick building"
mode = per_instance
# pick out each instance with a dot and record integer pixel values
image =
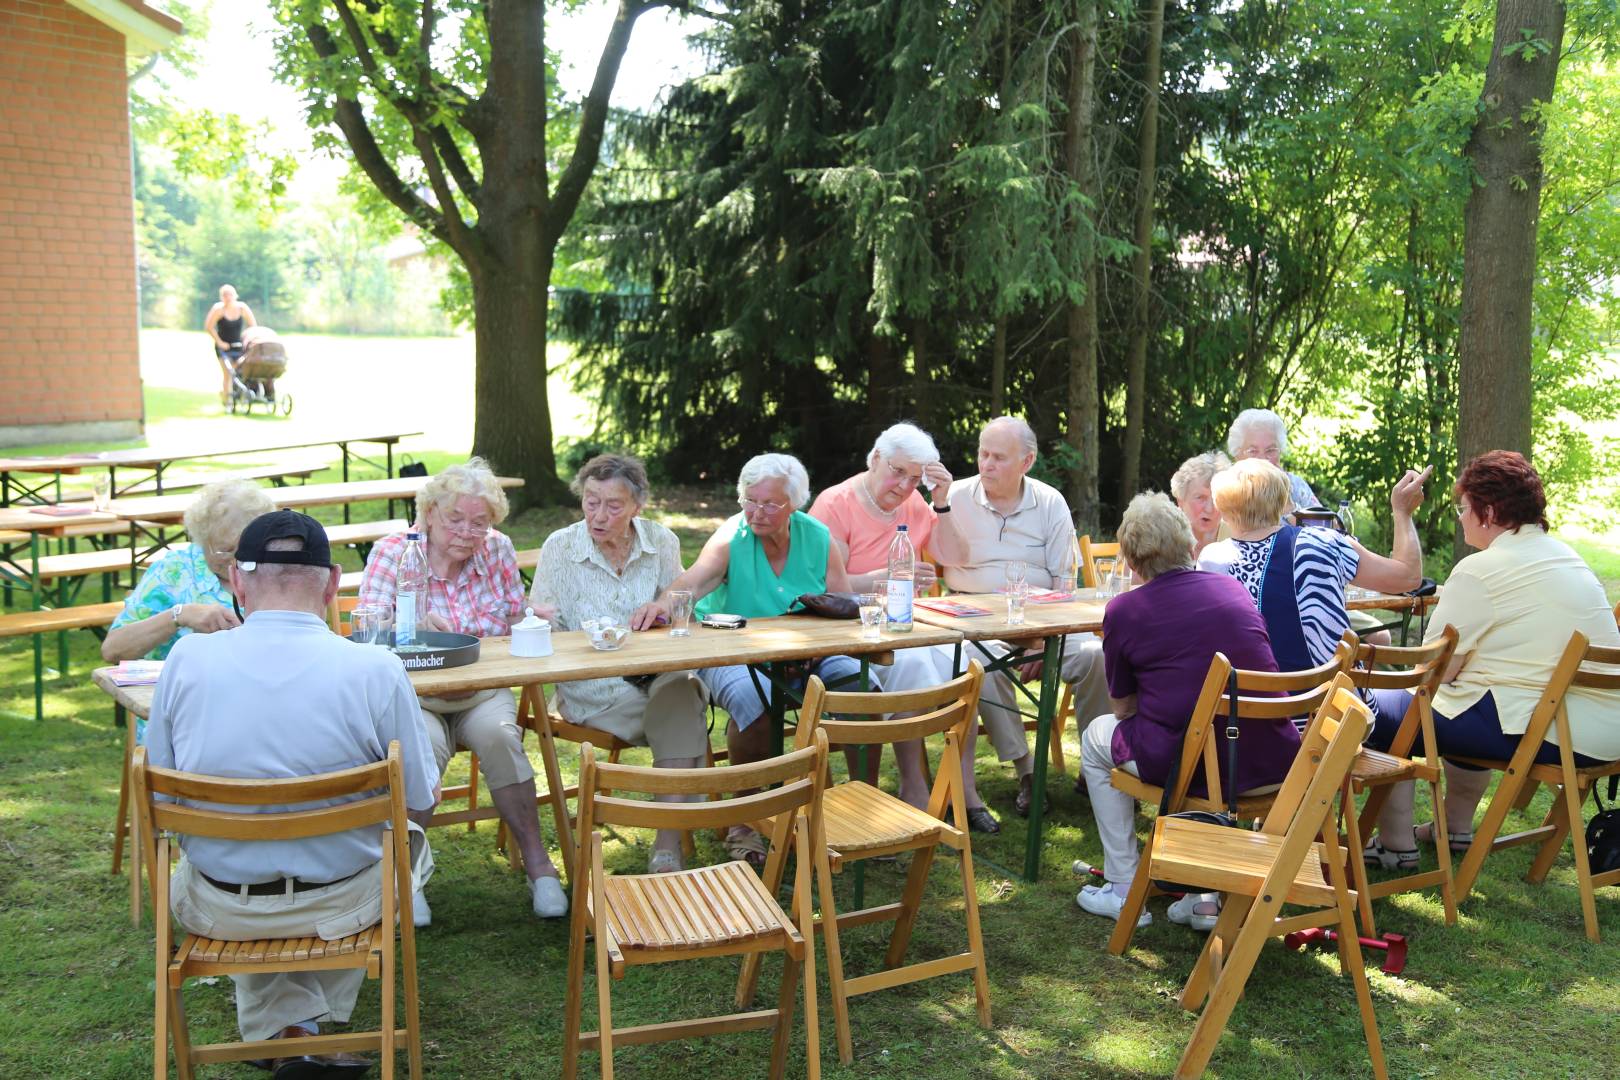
(69, 317)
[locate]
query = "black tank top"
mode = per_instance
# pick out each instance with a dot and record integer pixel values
(229, 330)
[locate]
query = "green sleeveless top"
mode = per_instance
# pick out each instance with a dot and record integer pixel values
(755, 591)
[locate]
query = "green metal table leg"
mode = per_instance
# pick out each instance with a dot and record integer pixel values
(61, 635)
(1051, 676)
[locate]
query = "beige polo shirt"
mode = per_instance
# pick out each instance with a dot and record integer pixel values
(1038, 533)
(1515, 605)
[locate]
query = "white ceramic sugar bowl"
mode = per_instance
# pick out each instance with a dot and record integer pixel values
(532, 636)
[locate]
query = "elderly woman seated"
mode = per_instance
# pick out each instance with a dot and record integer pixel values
(1514, 604)
(473, 588)
(1261, 433)
(187, 590)
(1190, 488)
(861, 514)
(1158, 641)
(1297, 576)
(756, 565)
(606, 566)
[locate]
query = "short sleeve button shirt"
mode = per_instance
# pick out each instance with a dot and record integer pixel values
(1038, 533)
(485, 599)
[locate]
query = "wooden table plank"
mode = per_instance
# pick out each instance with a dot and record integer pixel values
(171, 508)
(1040, 620)
(146, 457)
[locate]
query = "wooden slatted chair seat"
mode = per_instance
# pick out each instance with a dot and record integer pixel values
(1236, 860)
(1376, 766)
(1251, 804)
(860, 818)
(713, 908)
(196, 956)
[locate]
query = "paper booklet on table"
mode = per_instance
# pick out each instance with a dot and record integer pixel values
(952, 607)
(1047, 596)
(137, 672)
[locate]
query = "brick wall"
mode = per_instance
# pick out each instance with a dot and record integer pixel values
(69, 350)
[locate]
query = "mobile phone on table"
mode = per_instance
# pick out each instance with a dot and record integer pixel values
(718, 621)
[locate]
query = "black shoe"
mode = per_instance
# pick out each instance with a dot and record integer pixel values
(1025, 796)
(979, 819)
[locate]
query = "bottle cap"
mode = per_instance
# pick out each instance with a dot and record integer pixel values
(900, 528)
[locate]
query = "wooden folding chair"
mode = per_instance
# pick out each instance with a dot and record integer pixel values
(1373, 771)
(1090, 552)
(1570, 784)
(862, 822)
(379, 789)
(1301, 693)
(1260, 871)
(723, 910)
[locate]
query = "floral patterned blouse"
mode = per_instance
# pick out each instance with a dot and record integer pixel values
(178, 576)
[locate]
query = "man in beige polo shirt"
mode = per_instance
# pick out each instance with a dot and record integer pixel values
(1006, 515)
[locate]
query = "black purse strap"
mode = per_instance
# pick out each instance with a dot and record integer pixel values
(1232, 743)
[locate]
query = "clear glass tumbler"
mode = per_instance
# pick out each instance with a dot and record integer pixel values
(871, 605)
(680, 613)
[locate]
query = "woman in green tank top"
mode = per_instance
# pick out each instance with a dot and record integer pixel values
(756, 565)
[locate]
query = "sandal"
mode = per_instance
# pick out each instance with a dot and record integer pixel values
(1459, 841)
(746, 845)
(1376, 854)
(664, 861)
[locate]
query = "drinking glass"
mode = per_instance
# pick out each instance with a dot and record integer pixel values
(368, 624)
(1017, 575)
(1016, 598)
(680, 613)
(1120, 580)
(1105, 575)
(871, 605)
(102, 484)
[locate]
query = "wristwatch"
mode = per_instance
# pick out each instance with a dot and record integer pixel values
(174, 613)
(944, 508)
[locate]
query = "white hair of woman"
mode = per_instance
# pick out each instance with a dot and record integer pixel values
(905, 439)
(1250, 418)
(222, 510)
(1196, 470)
(1155, 536)
(474, 478)
(784, 467)
(1020, 426)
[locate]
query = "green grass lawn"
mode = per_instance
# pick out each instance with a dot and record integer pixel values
(1514, 990)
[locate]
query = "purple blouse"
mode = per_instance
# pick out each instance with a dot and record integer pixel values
(1157, 642)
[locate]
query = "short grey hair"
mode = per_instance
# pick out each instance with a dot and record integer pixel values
(216, 518)
(1249, 418)
(282, 576)
(907, 439)
(475, 478)
(1155, 536)
(605, 467)
(1198, 469)
(1021, 428)
(784, 467)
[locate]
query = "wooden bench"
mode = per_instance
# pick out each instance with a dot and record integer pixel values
(81, 617)
(349, 583)
(276, 474)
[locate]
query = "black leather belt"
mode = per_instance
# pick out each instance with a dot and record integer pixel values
(276, 887)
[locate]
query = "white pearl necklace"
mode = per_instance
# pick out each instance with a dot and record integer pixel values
(886, 515)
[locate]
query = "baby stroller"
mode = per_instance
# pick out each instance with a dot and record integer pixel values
(254, 375)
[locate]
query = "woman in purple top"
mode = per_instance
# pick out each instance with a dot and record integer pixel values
(1158, 641)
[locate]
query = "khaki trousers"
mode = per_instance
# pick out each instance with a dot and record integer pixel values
(486, 724)
(267, 1003)
(670, 717)
(1000, 701)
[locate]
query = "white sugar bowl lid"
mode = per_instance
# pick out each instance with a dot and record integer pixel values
(532, 636)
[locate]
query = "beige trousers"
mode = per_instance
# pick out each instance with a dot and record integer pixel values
(670, 717)
(486, 724)
(267, 1003)
(1000, 701)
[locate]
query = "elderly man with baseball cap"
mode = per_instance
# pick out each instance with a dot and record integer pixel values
(282, 696)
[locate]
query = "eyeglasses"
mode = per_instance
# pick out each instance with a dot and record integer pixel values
(1461, 508)
(901, 477)
(769, 509)
(465, 526)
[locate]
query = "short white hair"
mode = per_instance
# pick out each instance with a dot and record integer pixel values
(1155, 536)
(907, 439)
(1021, 428)
(215, 519)
(784, 467)
(1249, 418)
(1198, 469)
(475, 478)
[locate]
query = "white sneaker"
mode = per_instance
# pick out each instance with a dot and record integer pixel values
(1182, 912)
(1103, 900)
(421, 914)
(550, 902)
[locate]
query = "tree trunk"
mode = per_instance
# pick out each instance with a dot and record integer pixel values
(922, 398)
(1081, 321)
(998, 368)
(1142, 262)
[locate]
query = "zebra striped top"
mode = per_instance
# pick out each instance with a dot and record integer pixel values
(1324, 562)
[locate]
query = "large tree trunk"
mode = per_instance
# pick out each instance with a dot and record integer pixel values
(512, 421)
(1142, 263)
(1499, 230)
(1081, 319)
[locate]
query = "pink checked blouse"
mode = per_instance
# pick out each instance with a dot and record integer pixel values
(484, 600)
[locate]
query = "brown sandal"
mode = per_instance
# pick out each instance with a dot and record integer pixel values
(746, 845)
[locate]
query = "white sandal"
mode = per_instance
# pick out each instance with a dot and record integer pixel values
(1184, 912)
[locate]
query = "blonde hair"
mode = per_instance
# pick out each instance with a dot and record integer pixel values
(215, 520)
(1198, 469)
(1252, 494)
(1155, 536)
(474, 478)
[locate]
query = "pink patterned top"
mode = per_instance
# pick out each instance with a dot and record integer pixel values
(484, 600)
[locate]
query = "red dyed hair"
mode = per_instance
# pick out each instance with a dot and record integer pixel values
(1504, 486)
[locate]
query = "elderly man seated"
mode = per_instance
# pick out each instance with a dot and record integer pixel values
(1006, 516)
(282, 696)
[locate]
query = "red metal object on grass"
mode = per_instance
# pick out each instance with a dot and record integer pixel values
(1393, 946)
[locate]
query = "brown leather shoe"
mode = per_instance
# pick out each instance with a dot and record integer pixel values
(1026, 795)
(337, 1066)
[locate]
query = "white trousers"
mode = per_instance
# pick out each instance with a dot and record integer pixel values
(1114, 810)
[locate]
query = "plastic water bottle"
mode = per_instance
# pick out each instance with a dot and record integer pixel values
(1073, 577)
(902, 580)
(410, 590)
(1347, 521)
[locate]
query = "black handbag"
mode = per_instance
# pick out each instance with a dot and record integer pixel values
(1603, 833)
(827, 605)
(1227, 818)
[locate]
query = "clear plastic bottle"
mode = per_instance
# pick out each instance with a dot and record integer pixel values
(1073, 577)
(1347, 521)
(902, 581)
(410, 590)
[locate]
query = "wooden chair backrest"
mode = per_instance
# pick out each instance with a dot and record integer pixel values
(1570, 671)
(1326, 752)
(1421, 666)
(1090, 551)
(338, 610)
(950, 706)
(798, 774)
(377, 791)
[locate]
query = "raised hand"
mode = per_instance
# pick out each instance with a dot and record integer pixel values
(1407, 495)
